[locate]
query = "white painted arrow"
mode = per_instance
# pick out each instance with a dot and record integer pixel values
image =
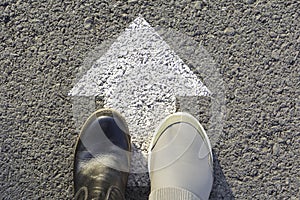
(140, 76)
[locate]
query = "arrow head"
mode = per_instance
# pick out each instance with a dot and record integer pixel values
(139, 60)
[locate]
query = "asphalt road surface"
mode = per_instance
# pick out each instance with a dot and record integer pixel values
(255, 45)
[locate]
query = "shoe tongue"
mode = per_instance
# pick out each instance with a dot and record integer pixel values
(107, 191)
(100, 181)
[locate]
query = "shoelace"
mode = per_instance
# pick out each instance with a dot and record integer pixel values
(113, 193)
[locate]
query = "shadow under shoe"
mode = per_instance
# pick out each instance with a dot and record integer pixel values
(102, 157)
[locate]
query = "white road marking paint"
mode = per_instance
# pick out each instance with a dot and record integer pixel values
(140, 76)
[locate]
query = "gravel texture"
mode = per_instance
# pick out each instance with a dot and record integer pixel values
(254, 43)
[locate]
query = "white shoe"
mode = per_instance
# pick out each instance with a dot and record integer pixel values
(180, 162)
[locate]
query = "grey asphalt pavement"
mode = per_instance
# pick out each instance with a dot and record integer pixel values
(254, 43)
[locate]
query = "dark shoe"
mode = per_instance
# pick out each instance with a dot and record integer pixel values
(102, 157)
